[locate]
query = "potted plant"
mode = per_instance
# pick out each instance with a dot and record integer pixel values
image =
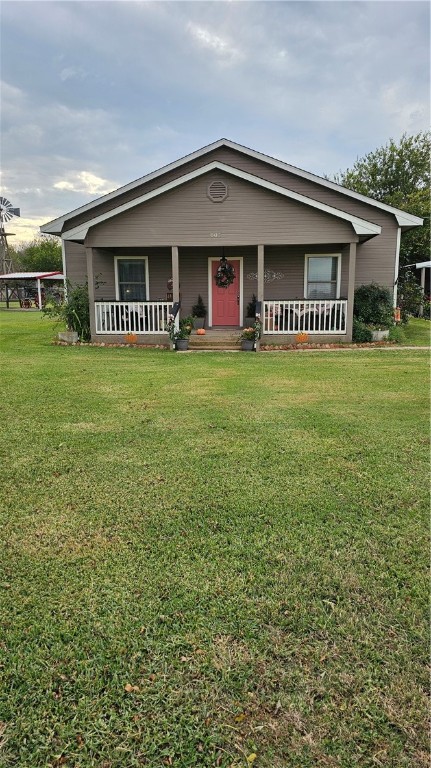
(250, 335)
(251, 311)
(199, 312)
(180, 336)
(379, 331)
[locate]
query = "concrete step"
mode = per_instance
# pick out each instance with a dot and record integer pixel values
(215, 349)
(216, 336)
(215, 345)
(220, 339)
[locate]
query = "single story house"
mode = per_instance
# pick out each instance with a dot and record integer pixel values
(300, 243)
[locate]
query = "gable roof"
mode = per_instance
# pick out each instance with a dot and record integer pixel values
(404, 219)
(361, 226)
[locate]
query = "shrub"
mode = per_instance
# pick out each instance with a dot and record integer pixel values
(410, 296)
(251, 307)
(361, 334)
(186, 324)
(75, 311)
(373, 305)
(199, 309)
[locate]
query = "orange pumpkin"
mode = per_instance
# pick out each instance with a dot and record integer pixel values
(200, 332)
(301, 338)
(131, 338)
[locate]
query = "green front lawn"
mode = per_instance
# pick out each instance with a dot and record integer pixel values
(417, 332)
(212, 559)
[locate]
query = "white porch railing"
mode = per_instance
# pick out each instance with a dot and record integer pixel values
(140, 317)
(313, 317)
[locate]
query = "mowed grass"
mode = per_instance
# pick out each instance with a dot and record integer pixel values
(417, 332)
(212, 559)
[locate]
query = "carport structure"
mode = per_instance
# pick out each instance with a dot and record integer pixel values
(22, 277)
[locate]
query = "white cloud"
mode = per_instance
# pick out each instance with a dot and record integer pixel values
(70, 73)
(408, 114)
(223, 48)
(25, 229)
(86, 182)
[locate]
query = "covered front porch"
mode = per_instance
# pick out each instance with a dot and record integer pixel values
(299, 289)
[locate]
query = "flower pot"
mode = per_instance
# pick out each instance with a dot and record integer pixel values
(70, 336)
(198, 322)
(181, 345)
(247, 345)
(379, 335)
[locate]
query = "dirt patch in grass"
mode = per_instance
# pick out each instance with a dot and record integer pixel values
(59, 535)
(227, 653)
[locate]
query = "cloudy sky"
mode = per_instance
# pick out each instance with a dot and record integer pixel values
(96, 94)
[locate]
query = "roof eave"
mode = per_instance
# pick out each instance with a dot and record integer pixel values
(361, 226)
(55, 226)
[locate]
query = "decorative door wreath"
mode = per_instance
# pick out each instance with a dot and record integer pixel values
(225, 274)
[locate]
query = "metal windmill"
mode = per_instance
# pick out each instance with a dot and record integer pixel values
(7, 212)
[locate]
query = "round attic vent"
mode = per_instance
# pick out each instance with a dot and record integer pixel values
(217, 191)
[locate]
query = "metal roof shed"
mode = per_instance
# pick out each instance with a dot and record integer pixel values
(37, 276)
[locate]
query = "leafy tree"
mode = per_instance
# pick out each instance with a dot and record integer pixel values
(399, 175)
(41, 255)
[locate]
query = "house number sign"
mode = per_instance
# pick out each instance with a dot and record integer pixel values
(214, 234)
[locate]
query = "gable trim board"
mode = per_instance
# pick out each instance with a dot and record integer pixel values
(404, 220)
(361, 226)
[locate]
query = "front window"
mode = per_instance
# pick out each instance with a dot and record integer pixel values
(131, 277)
(322, 277)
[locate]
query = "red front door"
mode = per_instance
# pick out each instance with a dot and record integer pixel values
(225, 301)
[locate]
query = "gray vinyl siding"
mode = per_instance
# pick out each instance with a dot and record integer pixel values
(186, 216)
(104, 276)
(76, 263)
(375, 259)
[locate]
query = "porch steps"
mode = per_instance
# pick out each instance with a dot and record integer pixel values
(215, 340)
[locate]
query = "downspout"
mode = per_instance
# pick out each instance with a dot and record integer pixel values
(397, 266)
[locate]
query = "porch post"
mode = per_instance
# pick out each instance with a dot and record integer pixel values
(421, 308)
(176, 281)
(350, 291)
(260, 286)
(90, 279)
(39, 293)
(260, 273)
(175, 274)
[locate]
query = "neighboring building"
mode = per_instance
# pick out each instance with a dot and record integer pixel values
(300, 243)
